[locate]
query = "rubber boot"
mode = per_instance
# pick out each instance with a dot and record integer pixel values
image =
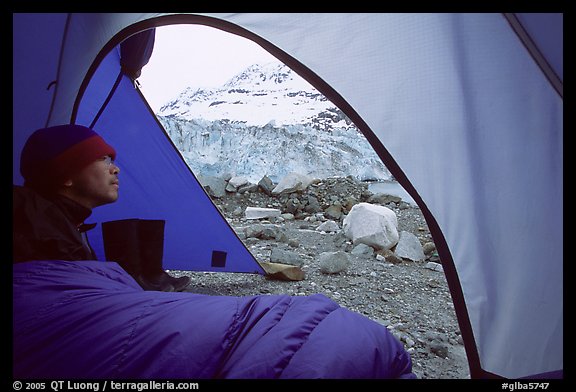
(121, 244)
(151, 239)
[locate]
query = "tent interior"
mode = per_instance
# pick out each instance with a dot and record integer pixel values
(485, 162)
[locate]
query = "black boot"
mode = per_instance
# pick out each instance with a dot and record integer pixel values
(121, 244)
(151, 239)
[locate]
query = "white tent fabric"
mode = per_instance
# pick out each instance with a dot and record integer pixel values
(457, 103)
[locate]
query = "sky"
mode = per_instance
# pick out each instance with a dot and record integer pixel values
(195, 56)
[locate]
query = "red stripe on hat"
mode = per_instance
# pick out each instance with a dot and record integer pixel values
(79, 156)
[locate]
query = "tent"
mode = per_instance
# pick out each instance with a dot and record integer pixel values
(479, 97)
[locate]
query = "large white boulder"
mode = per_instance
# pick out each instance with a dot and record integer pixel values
(373, 225)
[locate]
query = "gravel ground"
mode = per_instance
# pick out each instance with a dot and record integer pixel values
(412, 301)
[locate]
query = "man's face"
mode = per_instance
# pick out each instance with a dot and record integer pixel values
(96, 184)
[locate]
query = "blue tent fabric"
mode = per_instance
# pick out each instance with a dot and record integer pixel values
(61, 307)
(151, 186)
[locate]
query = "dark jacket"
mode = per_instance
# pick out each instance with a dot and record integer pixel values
(48, 227)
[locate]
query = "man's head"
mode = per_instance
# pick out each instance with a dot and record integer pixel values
(72, 160)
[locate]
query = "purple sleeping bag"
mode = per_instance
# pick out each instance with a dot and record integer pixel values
(90, 319)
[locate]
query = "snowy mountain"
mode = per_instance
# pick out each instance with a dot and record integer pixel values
(267, 120)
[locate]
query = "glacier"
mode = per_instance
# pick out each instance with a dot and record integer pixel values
(267, 120)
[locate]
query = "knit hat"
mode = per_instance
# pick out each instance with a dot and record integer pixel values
(55, 153)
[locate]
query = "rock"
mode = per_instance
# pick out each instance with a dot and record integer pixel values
(266, 185)
(434, 266)
(261, 213)
(247, 187)
(236, 182)
(214, 186)
(389, 256)
(329, 226)
(372, 225)
(428, 248)
(408, 340)
(333, 262)
(362, 250)
(263, 232)
(282, 271)
(283, 256)
(383, 198)
(333, 212)
(287, 216)
(409, 247)
(254, 231)
(349, 202)
(293, 243)
(291, 183)
(312, 205)
(292, 206)
(439, 349)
